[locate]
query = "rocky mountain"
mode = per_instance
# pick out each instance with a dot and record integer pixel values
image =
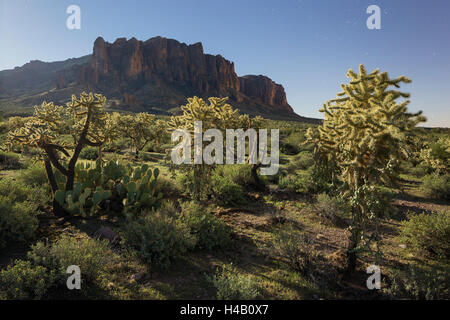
(156, 76)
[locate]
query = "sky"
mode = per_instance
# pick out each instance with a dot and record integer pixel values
(305, 45)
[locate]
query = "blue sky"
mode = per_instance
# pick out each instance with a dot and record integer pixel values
(306, 45)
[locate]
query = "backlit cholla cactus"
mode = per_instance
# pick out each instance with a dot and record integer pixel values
(363, 135)
(137, 128)
(216, 114)
(437, 155)
(87, 122)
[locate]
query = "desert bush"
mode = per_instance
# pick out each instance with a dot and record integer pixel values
(9, 160)
(44, 269)
(169, 209)
(292, 144)
(227, 192)
(116, 145)
(436, 186)
(210, 231)
(18, 221)
(158, 239)
(302, 161)
(144, 156)
(89, 254)
(420, 283)
(19, 209)
(295, 248)
(420, 170)
(17, 191)
(89, 153)
(167, 187)
(330, 209)
(23, 280)
(238, 173)
(231, 285)
(33, 175)
(302, 182)
(428, 233)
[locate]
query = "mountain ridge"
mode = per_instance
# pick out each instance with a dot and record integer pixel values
(156, 75)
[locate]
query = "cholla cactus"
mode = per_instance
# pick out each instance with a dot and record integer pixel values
(137, 128)
(437, 155)
(364, 134)
(216, 114)
(87, 120)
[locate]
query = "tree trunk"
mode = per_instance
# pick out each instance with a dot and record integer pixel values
(351, 252)
(58, 210)
(258, 184)
(100, 154)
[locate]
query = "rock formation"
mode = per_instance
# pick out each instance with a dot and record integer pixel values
(156, 75)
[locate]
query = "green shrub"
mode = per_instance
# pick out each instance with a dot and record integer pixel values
(116, 145)
(231, 285)
(169, 209)
(44, 269)
(240, 174)
(436, 186)
(295, 248)
(420, 170)
(210, 231)
(330, 209)
(89, 254)
(33, 175)
(420, 283)
(292, 144)
(18, 221)
(25, 281)
(9, 160)
(167, 187)
(158, 239)
(89, 153)
(303, 161)
(302, 182)
(145, 156)
(429, 233)
(17, 191)
(19, 205)
(227, 192)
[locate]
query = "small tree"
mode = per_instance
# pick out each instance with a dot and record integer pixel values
(159, 130)
(364, 135)
(215, 115)
(245, 122)
(218, 114)
(86, 118)
(137, 128)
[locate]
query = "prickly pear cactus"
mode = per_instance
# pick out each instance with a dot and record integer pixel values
(138, 189)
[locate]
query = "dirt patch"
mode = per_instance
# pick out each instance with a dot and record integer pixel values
(419, 206)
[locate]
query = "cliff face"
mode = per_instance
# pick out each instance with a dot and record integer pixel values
(161, 60)
(263, 88)
(156, 75)
(135, 66)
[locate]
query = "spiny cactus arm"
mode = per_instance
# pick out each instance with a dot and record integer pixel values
(92, 143)
(59, 148)
(93, 107)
